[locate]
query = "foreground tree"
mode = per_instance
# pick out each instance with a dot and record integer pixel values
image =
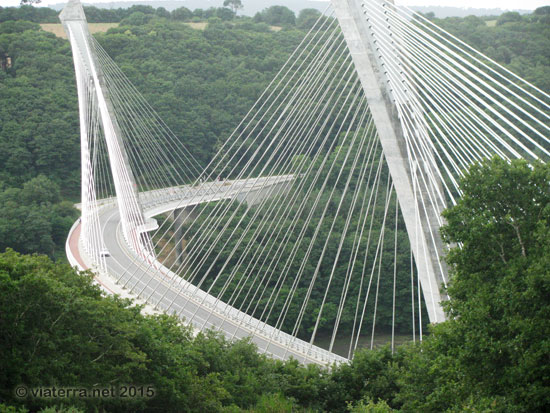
(58, 329)
(494, 351)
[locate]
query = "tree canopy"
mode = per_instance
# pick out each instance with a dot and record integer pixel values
(234, 5)
(491, 355)
(276, 16)
(493, 352)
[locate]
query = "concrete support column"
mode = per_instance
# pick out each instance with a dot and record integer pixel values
(181, 216)
(421, 222)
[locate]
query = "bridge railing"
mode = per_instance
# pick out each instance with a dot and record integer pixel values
(180, 197)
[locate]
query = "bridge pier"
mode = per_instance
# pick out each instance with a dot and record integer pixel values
(180, 216)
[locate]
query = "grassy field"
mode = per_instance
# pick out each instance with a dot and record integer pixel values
(57, 28)
(202, 26)
(197, 25)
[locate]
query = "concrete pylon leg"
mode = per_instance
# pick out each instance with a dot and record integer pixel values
(420, 218)
(87, 65)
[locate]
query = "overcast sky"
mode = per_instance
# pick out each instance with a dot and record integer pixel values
(502, 4)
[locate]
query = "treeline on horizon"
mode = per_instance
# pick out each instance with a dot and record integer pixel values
(274, 15)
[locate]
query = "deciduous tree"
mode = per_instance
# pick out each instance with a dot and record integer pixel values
(234, 5)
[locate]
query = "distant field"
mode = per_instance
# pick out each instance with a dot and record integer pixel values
(202, 26)
(491, 23)
(57, 28)
(197, 25)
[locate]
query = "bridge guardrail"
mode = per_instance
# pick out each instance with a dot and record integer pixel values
(151, 200)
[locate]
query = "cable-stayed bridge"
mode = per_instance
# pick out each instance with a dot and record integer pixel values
(293, 233)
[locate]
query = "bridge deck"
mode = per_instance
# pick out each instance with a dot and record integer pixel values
(157, 285)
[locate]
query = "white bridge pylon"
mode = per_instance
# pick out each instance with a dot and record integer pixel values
(420, 219)
(92, 91)
(376, 100)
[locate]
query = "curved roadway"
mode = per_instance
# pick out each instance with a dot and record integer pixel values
(167, 292)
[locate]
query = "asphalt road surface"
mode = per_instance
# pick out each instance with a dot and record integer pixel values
(161, 288)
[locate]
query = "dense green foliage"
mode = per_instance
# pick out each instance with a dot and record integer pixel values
(39, 128)
(29, 13)
(492, 355)
(35, 218)
(57, 329)
(276, 16)
(39, 161)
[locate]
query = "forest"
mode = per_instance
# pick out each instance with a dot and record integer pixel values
(57, 329)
